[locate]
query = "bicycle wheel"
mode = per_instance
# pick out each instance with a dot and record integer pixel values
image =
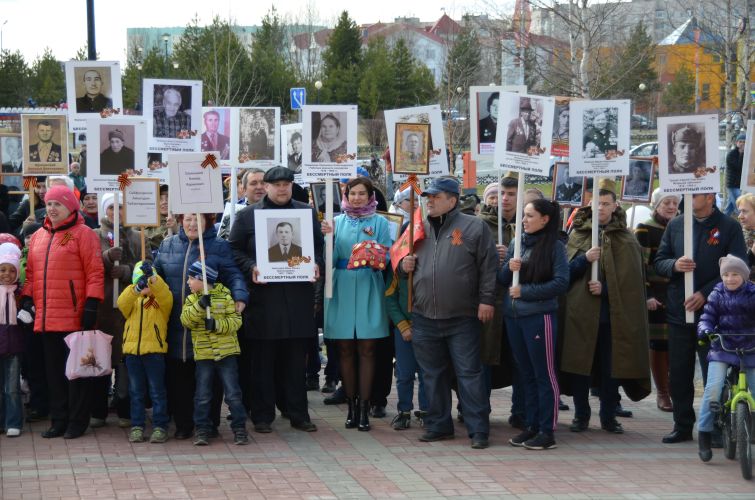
(724, 421)
(744, 449)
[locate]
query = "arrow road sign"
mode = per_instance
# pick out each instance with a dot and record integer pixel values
(298, 97)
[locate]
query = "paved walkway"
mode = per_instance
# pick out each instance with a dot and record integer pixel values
(339, 463)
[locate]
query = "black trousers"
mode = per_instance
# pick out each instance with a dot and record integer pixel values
(245, 371)
(33, 370)
(381, 384)
(682, 347)
(333, 367)
(282, 364)
(70, 400)
(181, 383)
(313, 358)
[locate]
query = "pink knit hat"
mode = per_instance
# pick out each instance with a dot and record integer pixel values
(64, 196)
(10, 254)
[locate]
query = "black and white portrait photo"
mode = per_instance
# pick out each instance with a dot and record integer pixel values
(638, 184)
(171, 110)
(523, 132)
(92, 86)
(283, 239)
(294, 150)
(318, 197)
(600, 131)
(438, 163)
(329, 134)
(686, 148)
(487, 104)
(285, 245)
(116, 149)
(257, 134)
(10, 148)
(567, 190)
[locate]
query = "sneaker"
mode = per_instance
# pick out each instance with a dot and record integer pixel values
(158, 435)
(240, 437)
(421, 416)
(480, 441)
(523, 436)
(201, 438)
(136, 435)
(96, 423)
(13, 432)
(124, 423)
(403, 420)
(541, 442)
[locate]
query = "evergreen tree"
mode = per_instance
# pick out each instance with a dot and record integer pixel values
(272, 68)
(679, 96)
(48, 81)
(379, 87)
(415, 84)
(463, 63)
(14, 76)
(152, 65)
(632, 64)
(342, 63)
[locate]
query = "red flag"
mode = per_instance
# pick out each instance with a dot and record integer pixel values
(400, 248)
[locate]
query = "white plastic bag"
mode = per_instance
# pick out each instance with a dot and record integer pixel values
(90, 354)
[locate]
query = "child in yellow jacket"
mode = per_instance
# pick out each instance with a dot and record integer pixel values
(146, 305)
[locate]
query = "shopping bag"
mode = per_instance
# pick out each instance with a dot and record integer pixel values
(90, 354)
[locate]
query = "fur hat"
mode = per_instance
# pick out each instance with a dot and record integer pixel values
(10, 254)
(730, 264)
(64, 196)
(659, 195)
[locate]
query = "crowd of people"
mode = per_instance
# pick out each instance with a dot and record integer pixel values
(459, 313)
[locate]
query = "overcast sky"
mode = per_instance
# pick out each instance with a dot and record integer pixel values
(32, 25)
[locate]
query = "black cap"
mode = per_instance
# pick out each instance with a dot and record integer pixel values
(278, 174)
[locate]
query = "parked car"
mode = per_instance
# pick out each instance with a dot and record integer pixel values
(642, 122)
(645, 149)
(736, 121)
(452, 114)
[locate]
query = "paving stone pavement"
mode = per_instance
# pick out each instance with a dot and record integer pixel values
(339, 463)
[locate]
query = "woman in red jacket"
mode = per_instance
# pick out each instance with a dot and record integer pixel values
(64, 284)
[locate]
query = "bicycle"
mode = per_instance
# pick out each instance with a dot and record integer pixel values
(733, 410)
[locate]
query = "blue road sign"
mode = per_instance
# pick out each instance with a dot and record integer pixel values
(298, 97)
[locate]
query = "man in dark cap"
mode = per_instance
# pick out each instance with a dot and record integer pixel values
(521, 132)
(600, 137)
(279, 321)
(685, 144)
(458, 251)
(117, 158)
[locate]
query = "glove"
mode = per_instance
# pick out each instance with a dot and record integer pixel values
(27, 304)
(118, 272)
(141, 284)
(209, 324)
(90, 314)
(147, 269)
(25, 316)
(204, 301)
(115, 253)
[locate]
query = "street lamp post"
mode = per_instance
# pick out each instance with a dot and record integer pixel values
(318, 86)
(165, 38)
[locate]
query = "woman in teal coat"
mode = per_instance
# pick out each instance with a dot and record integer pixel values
(356, 317)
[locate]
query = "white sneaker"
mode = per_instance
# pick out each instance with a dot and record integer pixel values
(12, 432)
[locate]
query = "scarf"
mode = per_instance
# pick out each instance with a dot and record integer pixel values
(8, 311)
(356, 212)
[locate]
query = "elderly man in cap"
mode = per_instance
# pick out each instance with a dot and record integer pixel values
(685, 144)
(280, 320)
(454, 270)
(521, 132)
(734, 160)
(117, 158)
(600, 137)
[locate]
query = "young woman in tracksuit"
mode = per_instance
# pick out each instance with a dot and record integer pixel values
(529, 311)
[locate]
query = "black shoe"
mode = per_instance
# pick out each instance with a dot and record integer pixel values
(579, 424)
(377, 411)
(240, 437)
(480, 441)
(523, 436)
(304, 426)
(229, 417)
(182, 434)
(72, 433)
(431, 436)
(621, 412)
(352, 413)
(364, 416)
(562, 406)
(704, 447)
(263, 428)
(329, 387)
(517, 422)
(53, 432)
(312, 383)
(541, 442)
(612, 426)
(337, 398)
(677, 436)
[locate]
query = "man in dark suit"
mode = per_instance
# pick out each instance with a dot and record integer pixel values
(570, 191)
(521, 132)
(45, 150)
(284, 249)
(211, 139)
(489, 124)
(294, 159)
(93, 101)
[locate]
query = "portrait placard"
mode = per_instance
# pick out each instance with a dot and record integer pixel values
(285, 245)
(141, 203)
(395, 221)
(255, 142)
(599, 137)
(157, 167)
(329, 134)
(748, 165)
(412, 142)
(116, 146)
(560, 140)
(318, 198)
(291, 147)
(194, 188)
(45, 144)
(216, 133)
(420, 114)
(11, 155)
(176, 110)
(637, 187)
(688, 160)
(520, 144)
(91, 86)
(567, 191)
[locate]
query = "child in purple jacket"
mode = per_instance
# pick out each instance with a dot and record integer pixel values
(728, 312)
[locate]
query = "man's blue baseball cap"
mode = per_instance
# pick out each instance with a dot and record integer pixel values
(442, 185)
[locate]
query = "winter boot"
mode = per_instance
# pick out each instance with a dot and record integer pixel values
(703, 441)
(659, 369)
(364, 415)
(352, 417)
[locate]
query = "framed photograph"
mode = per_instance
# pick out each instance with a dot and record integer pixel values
(194, 188)
(176, 110)
(484, 104)
(115, 146)
(45, 140)
(567, 190)
(11, 154)
(141, 203)
(521, 145)
(255, 144)
(413, 148)
(748, 165)
(637, 187)
(318, 198)
(329, 134)
(560, 139)
(420, 114)
(688, 159)
(216, 133)
(285, 245)
(599, 137)
(91, 86)
(395, 221)
(291, 147)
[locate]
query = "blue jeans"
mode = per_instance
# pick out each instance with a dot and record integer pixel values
(147, 372)
(731, 201)
(440, 344)
(228, 372)
(406, 367)
(12, 403)
(716, 378)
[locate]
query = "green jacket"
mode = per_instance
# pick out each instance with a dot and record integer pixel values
(222, 342)
(397, 301)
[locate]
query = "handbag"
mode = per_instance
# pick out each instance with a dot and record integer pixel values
(89, 355)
